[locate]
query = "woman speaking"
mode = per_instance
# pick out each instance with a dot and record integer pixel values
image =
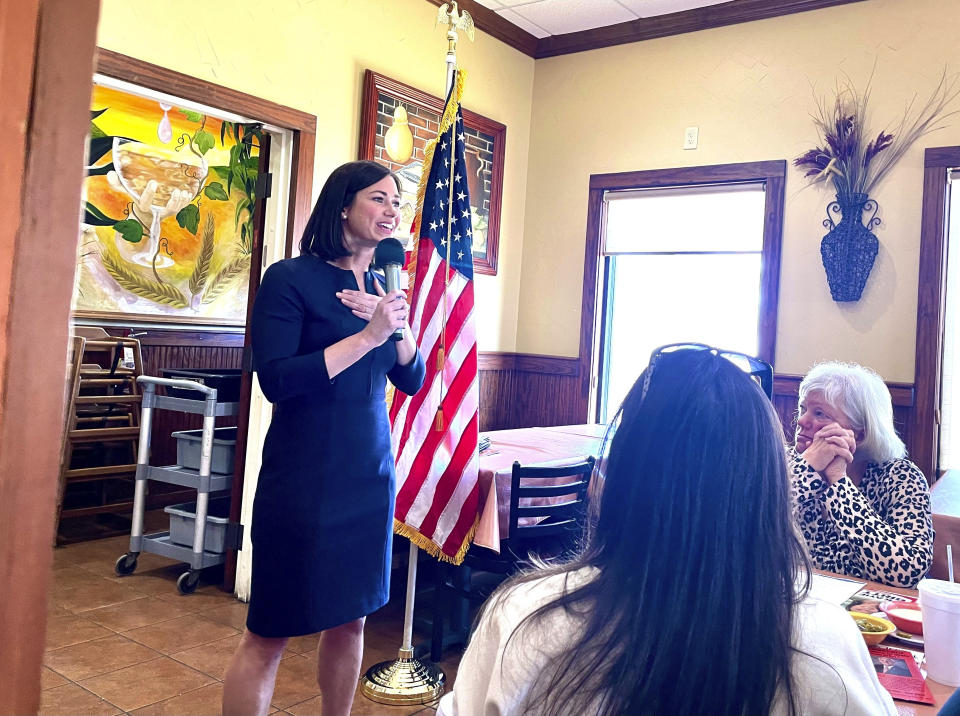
(323, 512)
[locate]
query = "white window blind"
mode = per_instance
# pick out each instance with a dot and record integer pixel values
(718, 218)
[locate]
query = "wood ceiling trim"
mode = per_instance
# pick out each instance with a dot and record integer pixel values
(704, 18)
(487, 20)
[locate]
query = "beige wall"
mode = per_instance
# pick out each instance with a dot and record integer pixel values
(311, 56)
(747, 87)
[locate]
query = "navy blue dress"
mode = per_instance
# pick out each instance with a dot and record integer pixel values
(322, 527)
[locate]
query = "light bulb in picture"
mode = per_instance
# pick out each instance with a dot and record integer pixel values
(398, 141)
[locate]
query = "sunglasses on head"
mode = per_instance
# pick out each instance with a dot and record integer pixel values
(760, 371)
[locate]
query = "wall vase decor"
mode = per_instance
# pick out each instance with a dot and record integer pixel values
(855, 159)
(849, 249)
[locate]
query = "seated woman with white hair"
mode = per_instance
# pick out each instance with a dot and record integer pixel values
(862, 507)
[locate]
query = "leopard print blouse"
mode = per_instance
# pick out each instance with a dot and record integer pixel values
(881, 531)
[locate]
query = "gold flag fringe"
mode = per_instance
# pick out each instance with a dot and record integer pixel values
(431, 547)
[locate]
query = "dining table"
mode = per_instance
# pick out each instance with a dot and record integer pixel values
(553, 446)
(940, 692)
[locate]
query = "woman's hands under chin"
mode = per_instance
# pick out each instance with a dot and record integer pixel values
(830, 451)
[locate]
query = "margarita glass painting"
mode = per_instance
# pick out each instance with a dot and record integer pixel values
(167, 227)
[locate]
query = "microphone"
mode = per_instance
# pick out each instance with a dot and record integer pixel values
(389, 258)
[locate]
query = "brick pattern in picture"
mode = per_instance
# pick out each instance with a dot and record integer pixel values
(424, 124)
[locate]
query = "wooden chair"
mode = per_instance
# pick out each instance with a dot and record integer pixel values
(541, 525)
(102, 421)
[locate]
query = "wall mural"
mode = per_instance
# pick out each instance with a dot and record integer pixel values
(167, 226)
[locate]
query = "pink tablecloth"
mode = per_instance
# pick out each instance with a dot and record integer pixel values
(564, 445)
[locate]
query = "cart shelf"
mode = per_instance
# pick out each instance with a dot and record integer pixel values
(185, 477)
(159, 543)
(202, 480)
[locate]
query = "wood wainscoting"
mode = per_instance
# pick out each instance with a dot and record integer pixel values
(177, 349)
(519, 390)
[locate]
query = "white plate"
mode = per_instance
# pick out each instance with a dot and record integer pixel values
(905, 637)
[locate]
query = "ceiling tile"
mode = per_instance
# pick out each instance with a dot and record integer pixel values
(560, 16)
(522, 23)
(649, 8)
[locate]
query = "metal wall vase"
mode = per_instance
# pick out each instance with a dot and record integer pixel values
(849, 248)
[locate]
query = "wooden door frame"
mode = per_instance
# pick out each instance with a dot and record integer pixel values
(303, 126)
(931, 294)
(46, 63)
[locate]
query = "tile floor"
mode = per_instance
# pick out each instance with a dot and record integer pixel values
(134, 645)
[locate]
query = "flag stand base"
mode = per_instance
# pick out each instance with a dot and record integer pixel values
(405, 680)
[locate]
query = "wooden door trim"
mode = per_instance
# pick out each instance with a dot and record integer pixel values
(924, 434)
(47, 52)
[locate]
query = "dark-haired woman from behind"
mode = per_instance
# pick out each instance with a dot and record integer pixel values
(691, 595)
(323, 513)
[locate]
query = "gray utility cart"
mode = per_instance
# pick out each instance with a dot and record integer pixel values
(195, 471)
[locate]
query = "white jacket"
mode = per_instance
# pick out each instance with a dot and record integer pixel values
(495, 682)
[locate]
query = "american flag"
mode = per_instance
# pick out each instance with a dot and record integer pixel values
(435, 432)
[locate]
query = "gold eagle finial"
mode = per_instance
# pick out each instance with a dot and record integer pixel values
(449, 14)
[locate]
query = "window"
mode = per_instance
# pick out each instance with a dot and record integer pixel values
(950, 366)
(688, 261)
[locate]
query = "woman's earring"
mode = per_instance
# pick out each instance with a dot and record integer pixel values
(343, 215)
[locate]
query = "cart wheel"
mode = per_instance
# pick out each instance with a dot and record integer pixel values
(188, 582)
(125, 565)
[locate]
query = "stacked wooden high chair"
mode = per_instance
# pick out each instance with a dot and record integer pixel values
(102, 427)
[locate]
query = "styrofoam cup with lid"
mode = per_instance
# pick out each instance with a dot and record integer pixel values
(940, 611)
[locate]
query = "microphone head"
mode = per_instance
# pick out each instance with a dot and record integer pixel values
(388, 251)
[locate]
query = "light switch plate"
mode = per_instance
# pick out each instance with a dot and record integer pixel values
(690, 136)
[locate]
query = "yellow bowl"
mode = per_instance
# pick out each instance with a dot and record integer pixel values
(873, 637)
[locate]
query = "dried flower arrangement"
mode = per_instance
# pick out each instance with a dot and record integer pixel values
(849, 154)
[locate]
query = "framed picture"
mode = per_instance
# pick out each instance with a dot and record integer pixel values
(166, 230)
(485, 140)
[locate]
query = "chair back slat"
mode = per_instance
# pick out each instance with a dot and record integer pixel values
(580, 468)
(535, 491)
(567, 528)
(561, 509)
(549, 517)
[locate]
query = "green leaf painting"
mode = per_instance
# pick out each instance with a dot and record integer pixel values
(216, 192)
(130, 229)
(204, 141)
(189, 218)
(93, 216)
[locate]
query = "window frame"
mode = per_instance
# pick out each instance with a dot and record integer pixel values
(923, 441)
(771, 173)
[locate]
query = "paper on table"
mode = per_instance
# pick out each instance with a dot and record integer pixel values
(834, 589)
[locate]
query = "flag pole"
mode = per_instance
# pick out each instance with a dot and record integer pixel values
(408, 680)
